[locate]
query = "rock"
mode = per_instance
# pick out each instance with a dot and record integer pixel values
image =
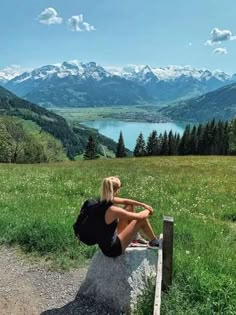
(117, 282)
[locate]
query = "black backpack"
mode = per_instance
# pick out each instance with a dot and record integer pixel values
(85, 225)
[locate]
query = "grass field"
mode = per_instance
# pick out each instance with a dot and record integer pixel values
(90, 113)
(129, 113)
(39, 203)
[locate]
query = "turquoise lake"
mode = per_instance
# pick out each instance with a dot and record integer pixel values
(131, 130)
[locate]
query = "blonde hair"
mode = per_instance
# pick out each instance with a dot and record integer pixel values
(110, 185)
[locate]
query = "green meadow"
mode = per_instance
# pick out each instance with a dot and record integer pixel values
(124, 112)
(93, 113)
(39, 204)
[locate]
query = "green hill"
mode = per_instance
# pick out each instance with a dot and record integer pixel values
(74, 139)
(219, 104)
(50, 122)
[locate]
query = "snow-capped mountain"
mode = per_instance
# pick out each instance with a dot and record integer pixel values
(167, 73)
(73, 68)
(9, 73)
(73, 83)
(76, 84)
(174, 82)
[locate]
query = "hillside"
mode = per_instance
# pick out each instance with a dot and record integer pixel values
(219, 104)
(12, 105)
(74, 141)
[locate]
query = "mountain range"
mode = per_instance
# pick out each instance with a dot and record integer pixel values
(77, 84)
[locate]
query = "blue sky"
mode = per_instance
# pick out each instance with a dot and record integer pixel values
(113, 32)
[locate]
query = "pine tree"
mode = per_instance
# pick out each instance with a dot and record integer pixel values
(164, 145)
(160, 142)
(176, 143)
(221, 137)
(120, 149)
(211, 137)
(217, 138)
(232, 138)
(152, 144)
(91, 149)
(199, 135)
(193, 141)
(139, 149)
(214, 140)
(204, 143)
(226, 138)
(184, 145)
(171, 143)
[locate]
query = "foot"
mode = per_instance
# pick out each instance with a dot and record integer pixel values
(154, 243)
(140, 240)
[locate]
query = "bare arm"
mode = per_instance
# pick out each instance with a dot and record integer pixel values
(123, 201)
(115, 212)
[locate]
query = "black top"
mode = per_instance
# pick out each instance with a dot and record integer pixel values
(106, 232)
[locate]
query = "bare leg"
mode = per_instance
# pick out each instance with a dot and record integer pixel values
(146, 228)
(122, 222)
(128, 234)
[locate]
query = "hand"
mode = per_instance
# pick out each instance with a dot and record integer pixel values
(144, 214)
(148, 208)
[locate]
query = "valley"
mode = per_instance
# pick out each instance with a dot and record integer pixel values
(145, 113)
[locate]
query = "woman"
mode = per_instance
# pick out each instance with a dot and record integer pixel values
(121, 225)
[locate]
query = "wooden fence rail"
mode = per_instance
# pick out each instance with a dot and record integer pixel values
(164, 262)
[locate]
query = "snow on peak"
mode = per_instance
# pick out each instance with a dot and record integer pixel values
(170, 72)
(91, 70)
(65, 69)
(10, 72)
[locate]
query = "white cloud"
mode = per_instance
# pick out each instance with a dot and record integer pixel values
(76, 24)
(218, 36)
(88, 27)
(220, 51)
(49, 16)
(208, 43)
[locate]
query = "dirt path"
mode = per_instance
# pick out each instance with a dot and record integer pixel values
(27, 289)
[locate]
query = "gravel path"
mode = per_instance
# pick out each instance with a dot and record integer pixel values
(30, 289)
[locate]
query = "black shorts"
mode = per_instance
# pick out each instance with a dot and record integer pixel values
(114, 250)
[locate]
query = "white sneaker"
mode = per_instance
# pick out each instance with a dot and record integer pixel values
(140, 240)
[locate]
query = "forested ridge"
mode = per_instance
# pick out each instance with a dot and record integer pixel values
(220, 104)
(50, 122)
(72, 138)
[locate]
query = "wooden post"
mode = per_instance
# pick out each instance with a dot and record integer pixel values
(168, 234)
(157, 300)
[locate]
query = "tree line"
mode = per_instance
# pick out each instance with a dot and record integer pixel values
(211, 138)
(18, 145)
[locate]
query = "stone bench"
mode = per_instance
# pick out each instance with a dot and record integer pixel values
(117, 282)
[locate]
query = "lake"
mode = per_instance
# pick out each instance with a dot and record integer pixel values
(131, 130)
